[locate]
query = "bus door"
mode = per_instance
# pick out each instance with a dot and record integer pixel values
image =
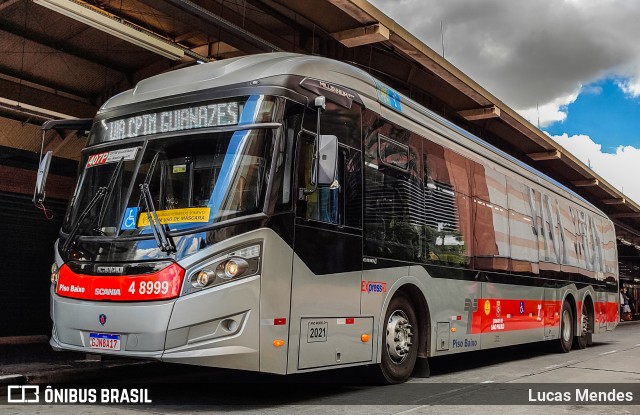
(327, 265)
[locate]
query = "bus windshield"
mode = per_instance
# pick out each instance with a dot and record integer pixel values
(194, 180)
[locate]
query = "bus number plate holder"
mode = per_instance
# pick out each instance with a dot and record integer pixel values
(104, 341)
(317, 331)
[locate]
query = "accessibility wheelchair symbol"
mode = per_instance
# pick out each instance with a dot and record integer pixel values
(130, 218)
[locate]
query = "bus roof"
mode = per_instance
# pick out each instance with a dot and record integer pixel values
(240, 70)
(253, 67)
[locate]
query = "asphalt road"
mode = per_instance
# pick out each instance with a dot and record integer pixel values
(473, 383)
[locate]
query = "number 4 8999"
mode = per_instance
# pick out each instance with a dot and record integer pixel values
(149, 288)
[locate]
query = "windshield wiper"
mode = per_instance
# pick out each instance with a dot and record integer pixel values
(99, 195)
(102, 191)
(163, 241)
(105, 202)
(159, 233)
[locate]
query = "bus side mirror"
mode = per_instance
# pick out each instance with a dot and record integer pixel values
(41, 179)
(328, 159)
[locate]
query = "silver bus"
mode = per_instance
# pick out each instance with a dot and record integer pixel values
(284, 213)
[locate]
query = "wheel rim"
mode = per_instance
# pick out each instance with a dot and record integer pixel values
(566, 325)
(584, 324)
(398, 337)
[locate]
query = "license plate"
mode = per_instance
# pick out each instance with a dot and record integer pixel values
(104, 341)
(317, 331)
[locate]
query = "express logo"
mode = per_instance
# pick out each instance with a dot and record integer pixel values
(374, 287)
(102, 318)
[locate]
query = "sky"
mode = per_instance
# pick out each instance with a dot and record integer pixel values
(571, 67)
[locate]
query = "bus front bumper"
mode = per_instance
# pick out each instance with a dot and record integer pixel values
(216, 327)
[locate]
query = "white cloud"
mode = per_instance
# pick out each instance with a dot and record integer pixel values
(551, 112)
(530, 52)
(615, 167)
(630, 87)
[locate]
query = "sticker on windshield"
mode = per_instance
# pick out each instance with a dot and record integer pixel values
(130, 218)
(112, 156)
(200, 214)
(179, 168)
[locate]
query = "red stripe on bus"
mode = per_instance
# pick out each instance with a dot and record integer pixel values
(161, 285)
(498, 315)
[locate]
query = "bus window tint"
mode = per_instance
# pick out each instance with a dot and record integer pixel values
(350, 167)
(448, 208)
(490, 220)
(417, 197)
(176, 190)
(321, 204)
(393, 192)
(223, 172)
(339, 121)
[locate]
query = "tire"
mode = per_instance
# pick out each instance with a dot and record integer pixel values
(582, 341)
(400, 340)
(566, 328)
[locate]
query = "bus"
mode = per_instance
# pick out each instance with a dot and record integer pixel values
(285, 213)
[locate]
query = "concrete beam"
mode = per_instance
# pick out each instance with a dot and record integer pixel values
(614, 201)
(480, 113)
(8, 3)
(586, 183)
(32, 109)
(624, 215)
(29, 96)
(86, 54)
(545, 155)
(43, 84)
(362, 35)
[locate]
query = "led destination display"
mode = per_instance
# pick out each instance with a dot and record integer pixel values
(186, 118)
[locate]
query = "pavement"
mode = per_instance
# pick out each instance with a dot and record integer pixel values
(30, 360)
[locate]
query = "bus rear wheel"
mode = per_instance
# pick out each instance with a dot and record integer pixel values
(566, 328)
(585, 338)
(400, 340)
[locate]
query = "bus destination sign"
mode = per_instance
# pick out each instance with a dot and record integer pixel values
(186, 118)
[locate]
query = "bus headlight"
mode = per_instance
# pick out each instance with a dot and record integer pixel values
(238, 263)
(232, 268)
(203, 278)
(54, 273)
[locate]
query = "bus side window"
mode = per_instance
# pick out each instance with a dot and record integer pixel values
(394, 197)
(350, 170)
(340, 206)
(323, 203)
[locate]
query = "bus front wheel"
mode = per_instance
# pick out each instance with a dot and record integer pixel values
(400, 340)
(566, 328)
